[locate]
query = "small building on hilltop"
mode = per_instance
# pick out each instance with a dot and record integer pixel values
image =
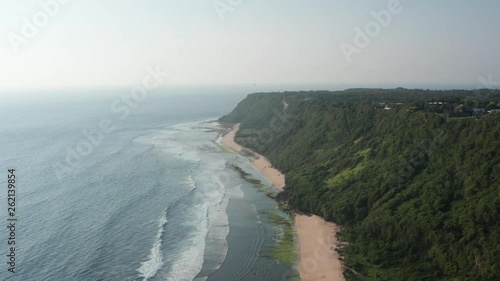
(478, 112)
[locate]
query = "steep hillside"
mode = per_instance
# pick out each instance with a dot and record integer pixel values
(412, 175)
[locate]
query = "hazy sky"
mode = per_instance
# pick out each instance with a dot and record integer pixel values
(111, 42)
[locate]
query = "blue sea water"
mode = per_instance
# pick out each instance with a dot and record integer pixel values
(142, 197)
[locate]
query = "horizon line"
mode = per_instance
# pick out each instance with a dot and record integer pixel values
(344, 85)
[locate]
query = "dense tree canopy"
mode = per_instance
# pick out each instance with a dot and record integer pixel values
(411, 176)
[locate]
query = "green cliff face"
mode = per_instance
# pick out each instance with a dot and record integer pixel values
(412, 175)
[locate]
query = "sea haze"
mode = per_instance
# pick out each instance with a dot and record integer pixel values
(144, 199)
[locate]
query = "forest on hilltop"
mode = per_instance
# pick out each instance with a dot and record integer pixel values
(413, 176)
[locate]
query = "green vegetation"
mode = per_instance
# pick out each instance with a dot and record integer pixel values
(416, 187)
(255, 182)
(285, 250)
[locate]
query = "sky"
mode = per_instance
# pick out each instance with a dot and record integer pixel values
(111, 43)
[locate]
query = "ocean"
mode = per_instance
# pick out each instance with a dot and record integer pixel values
(113, 189)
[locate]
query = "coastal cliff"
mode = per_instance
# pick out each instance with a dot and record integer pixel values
(413, 176)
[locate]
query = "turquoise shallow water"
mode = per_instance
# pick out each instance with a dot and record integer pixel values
(148, 200)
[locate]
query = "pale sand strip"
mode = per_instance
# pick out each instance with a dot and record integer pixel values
(317, 243)
(317, 239)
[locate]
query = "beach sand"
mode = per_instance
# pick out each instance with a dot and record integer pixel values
(317, 239)
(317, 243)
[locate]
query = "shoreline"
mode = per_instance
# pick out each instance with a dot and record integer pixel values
(316, 238)
(260, 162)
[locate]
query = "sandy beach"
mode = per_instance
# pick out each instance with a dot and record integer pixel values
(317, 240)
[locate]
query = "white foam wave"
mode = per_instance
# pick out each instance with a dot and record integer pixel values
(219, 229)
(209, 215)
(150, 267)
(235, 191)
(212, 224)
(189, 263)
(190, 181)
(257, 216)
